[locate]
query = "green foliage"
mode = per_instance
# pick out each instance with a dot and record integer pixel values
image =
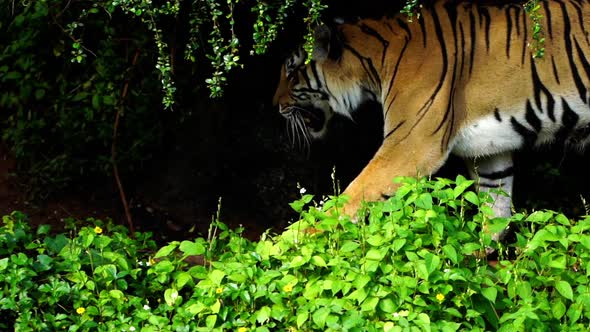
(67, 68)
(410, 8)
(538, 45)
(315, 8)
(59, 99)
(414, 266)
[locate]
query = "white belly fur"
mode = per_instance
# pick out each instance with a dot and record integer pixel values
(487, 136)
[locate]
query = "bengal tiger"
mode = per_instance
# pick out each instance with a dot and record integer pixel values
(461, 79)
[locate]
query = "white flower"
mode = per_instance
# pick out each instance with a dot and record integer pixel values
(146, 307)
(132, 328)
(447, 270)
(302, 191)
(396, 314)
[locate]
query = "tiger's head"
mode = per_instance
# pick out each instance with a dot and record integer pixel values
(309, 94)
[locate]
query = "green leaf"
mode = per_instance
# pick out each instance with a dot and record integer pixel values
(370, 304)
(215, 307)
(108, 100)
(170, 296)
(116, 294)
(216, 276)
(320, 315)
(182, 279)
(558, 309)
(421, 270)
(574, 312)
(302, 318)
(263, 315)
(375, 240)
(387, 305)
(432, 261)
(424, 201)
(490, 293)
(318, 261)
(3, 263)
(96, 101)
(191, 248)
(349, 246)
(166, 250)
(451, 253)
(361, 281)
(388, 326)
(297, 261)
(375, 254)
(471, 197)
(210, 321)
(564, 288)
(398, 244)
(462, 185)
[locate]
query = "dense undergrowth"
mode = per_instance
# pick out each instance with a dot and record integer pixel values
(413, 266)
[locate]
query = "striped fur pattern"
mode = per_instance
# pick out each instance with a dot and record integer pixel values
(460, 79)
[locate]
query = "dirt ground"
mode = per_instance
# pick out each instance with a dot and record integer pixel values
(54, 210)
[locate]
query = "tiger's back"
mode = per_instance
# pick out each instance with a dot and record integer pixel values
(460, 79)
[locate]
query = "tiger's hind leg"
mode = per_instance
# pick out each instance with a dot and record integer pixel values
(495, 172)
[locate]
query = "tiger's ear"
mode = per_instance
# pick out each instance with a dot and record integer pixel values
(327, 44)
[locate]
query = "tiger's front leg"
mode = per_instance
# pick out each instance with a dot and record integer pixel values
(412, 157)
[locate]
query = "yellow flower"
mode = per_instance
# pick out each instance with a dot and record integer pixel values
(80, 310)
(288, 288)
(440, 297)
(219, 290)
(242, 329)
(97, 230)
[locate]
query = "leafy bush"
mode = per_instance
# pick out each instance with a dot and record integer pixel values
(70, 68)
(413, 266)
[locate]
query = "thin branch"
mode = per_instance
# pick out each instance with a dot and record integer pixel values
(114, 151)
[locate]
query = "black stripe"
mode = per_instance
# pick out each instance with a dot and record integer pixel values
(314, 71)
(539, 88)
(585, 64)
(371, 32)
(532, 118)
(306, 77)
(548, 17)
(392, 100)
(399, 60)
(367, 65)
(580, 18)
(326, 83)
(517, 19)
(570, 54)
(423, 30)
(404, 26)
(483, 12)
(462, 33)
(445, 65)
(497, 115)
(555, 73)
(529, 136)
(473, 40)
(508, 31)
(498, 175)
(394, 129)
(525, 29)
(569, 120)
